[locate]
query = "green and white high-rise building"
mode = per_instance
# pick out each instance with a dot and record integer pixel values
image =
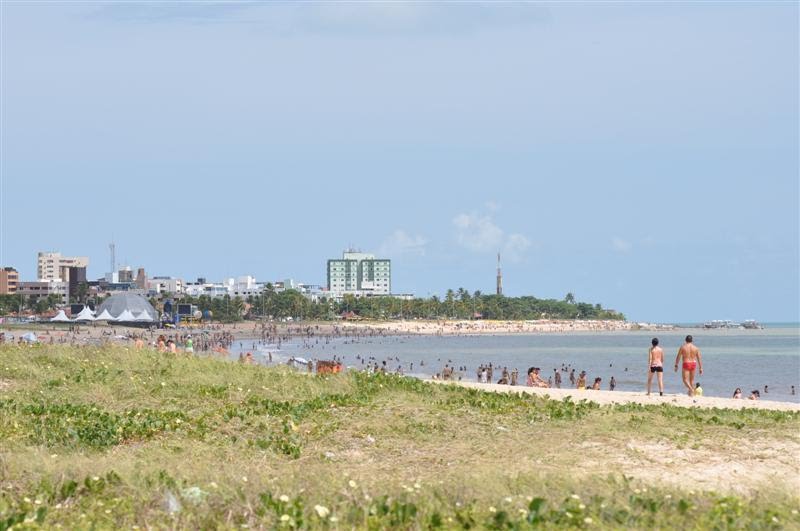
(360, 274)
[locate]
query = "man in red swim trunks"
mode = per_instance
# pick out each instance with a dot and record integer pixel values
(690, 355)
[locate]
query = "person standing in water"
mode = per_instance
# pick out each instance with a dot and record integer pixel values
(690, 355)
(656, 364)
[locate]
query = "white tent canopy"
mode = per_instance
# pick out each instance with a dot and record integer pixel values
(104, 316)
(144, 317)
(85, 315)
(125, 316)
(60, 317)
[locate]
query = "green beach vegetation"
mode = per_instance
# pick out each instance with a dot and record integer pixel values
(110, 437)
(457, 304)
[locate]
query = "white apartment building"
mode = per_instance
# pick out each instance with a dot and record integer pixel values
(209, 289)
(52, 266)
(241, 287)
(360, 274)
(165, 285)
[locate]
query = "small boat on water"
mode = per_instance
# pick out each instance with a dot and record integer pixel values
(752, 324)
(719, 324)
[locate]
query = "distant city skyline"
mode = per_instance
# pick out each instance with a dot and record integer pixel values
(640, 156)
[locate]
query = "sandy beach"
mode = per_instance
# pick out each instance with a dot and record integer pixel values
(622, 397)
(251, 329)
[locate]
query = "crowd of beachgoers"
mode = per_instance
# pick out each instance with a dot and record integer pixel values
(321, 340)
(489, 327)
(272, 331)
(558, 380)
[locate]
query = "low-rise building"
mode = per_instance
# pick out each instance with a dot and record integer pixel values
(243, 287)
(159, 285)
(9, 281)
(209, 289)
(42, 288)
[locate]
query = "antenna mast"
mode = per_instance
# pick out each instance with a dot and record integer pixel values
(112, 248)
(499, 276)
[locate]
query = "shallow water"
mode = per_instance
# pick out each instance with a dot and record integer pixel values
(749, 359)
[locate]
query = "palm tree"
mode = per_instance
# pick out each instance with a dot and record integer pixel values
(53, 300)
(236, 308)
(450, 298)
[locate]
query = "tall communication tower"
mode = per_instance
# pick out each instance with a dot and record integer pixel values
(499, 276)
(112, 248)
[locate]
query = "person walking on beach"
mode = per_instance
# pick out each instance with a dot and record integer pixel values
(612, 384)
(656, 364)
(689, 354)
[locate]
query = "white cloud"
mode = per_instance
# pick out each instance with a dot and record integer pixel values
(479, 233)
(515, 246)
(401, 243)
(620, 245)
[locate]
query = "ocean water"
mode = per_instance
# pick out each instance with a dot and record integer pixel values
(749, 359)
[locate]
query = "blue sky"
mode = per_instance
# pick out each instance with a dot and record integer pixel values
(641, 156)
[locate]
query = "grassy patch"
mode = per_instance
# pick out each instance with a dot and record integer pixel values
(111, 437)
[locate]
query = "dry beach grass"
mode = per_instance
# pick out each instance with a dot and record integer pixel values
(113, 437)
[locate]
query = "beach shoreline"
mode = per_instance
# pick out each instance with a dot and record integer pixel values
(251, 329)
(605, 398)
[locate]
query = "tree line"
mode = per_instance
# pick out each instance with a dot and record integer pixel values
(456, 304)
(16, 302)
